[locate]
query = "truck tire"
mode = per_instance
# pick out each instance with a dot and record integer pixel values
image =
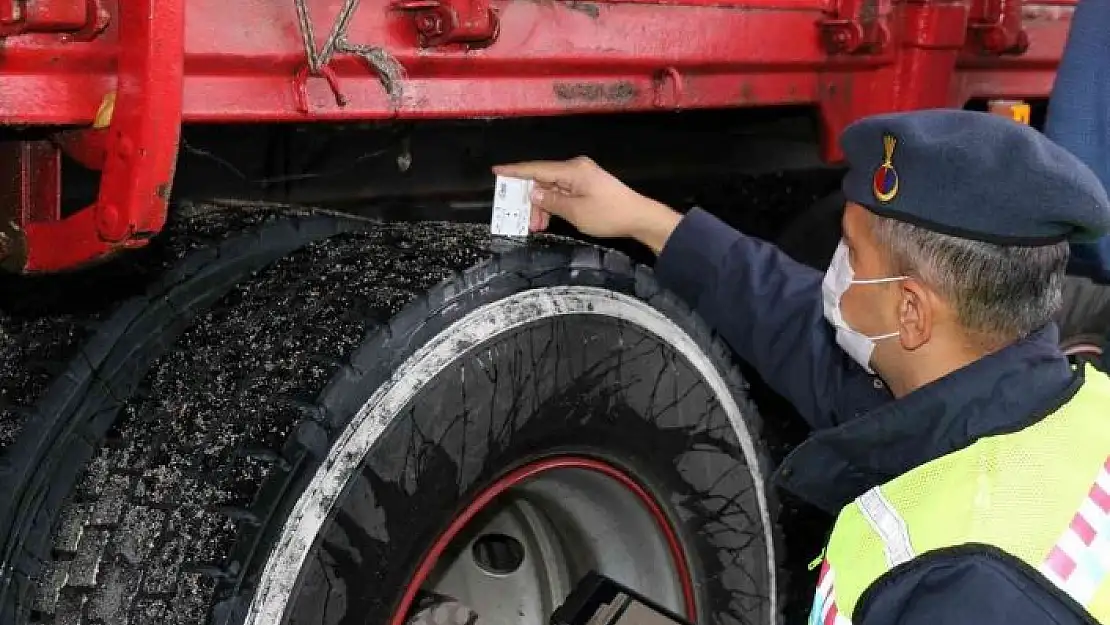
(44, 320)
(360, 432)
(1084, 317)
(63, 425)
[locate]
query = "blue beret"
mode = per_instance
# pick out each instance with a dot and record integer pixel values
(972, 175)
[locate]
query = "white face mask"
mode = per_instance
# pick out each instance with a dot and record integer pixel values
(838, 279)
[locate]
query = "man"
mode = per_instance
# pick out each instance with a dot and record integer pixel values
(971, 470)
(1079, 121)
(1079, 114)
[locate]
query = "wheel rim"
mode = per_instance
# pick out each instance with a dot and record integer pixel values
(302, 524)
(517, 550)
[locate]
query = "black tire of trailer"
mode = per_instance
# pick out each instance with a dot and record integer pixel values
(69, 421)
(355, 444)
(1084, 317)
(46, 319)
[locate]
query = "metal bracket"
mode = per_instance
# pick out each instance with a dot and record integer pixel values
(30, 191)
(138, 150)
(856, 26)
(78, 20)
(442, 22)
(995, 27)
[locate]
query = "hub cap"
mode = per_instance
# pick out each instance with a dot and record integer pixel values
(514, 554)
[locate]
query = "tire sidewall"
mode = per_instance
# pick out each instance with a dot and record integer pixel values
(377, 360)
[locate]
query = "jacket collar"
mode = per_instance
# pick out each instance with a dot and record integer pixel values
(1003, 392)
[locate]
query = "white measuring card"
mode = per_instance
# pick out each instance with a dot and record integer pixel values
(512, 207)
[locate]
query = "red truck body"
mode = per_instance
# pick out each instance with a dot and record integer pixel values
(110, 85)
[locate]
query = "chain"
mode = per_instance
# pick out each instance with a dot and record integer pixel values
(389, 71)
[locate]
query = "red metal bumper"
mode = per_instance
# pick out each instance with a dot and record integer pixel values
(239, 60)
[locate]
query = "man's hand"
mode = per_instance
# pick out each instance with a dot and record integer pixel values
(593, 201)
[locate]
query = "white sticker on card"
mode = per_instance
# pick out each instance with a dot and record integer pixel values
(512, 207)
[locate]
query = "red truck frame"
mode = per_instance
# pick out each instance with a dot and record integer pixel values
(110, 84)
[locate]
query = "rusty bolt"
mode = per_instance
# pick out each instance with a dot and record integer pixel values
(429, 24)
(838, 38)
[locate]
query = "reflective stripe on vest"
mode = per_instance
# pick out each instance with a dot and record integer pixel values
(1041, 494)
(889, 525)
(824, 610)
(1080, 560)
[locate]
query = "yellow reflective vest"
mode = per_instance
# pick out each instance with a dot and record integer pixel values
(1041, 494)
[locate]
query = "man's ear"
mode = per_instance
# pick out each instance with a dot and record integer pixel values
(916, 314)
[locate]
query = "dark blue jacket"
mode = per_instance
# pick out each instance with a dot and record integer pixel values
(768, 308)
(1079, 115)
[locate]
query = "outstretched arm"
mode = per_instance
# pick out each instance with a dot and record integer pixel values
(765, 305)
(768, 308)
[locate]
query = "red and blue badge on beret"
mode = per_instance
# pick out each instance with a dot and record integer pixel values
(885, 182)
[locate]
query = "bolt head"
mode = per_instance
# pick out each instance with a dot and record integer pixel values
(109, 225)
(429, 24)
(994, 39)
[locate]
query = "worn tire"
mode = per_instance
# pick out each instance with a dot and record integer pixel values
(45, 319)
(300, 446)
(63, 426)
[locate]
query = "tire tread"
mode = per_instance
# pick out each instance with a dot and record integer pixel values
(69, 418)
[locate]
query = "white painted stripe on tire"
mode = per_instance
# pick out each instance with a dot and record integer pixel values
(307, 518)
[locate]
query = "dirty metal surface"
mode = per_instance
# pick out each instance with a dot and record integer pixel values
(143, 77)
(546, 59)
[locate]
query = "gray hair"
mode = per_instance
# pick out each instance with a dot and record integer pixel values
(1000, 293)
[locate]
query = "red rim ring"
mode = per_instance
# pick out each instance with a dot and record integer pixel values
(522, 474)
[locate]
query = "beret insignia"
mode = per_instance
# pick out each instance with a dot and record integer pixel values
(885, 182)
